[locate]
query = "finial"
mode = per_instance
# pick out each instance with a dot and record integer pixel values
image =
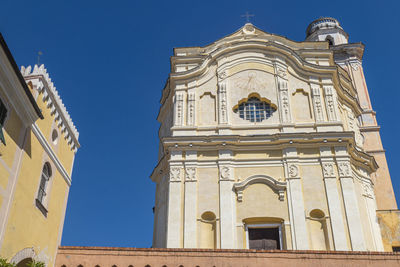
(38, 57)
(247, 16)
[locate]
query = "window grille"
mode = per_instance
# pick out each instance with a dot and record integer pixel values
(255, 110)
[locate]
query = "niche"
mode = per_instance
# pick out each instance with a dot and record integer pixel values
(207, 230)
(207, 114)
(318, 230)
(301, 106)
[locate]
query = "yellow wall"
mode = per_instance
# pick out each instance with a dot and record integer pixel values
(26, 226)
(389, 221)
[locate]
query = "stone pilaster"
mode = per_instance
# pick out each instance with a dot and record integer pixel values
(334, 204)
(295, 200)
(227, 201)
(330, 103)
(222, 103)
(350, 200)
(191, 112)
(317, 103)
(178, 109)
(174, 221)
(190, 210)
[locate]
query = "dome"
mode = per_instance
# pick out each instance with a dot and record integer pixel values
(322, 23)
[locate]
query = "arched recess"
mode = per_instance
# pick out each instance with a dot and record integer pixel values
(22, 255)
(208, 233)
(277, 186)
(207, 106)
(318, 230)
(301, 106)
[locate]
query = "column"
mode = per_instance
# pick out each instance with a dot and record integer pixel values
(227, 205)
(174, 220)
(334, 203)
(295, 200)
(350, 199)
(190, 212)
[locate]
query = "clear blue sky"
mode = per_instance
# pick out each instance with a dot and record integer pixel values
(110, 60)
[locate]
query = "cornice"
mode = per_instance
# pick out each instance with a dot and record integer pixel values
(54, 102)
(273, 141)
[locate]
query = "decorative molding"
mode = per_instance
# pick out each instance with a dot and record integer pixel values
(224, 173)
(316, 97)
(190, 174)
(39, 135)
(278, 186)
(222, 75)
(178, 109)
(368, 191)
(42, 82)
(344, 169)
(175, 174)
(327, 169)
(191, 109)
(330, 103)
(223, 119)
(284, 101)
(293, 171)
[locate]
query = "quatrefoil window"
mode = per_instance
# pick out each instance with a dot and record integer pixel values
(254, 109)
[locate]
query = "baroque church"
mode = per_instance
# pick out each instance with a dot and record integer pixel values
(269, 155)
(268, 143)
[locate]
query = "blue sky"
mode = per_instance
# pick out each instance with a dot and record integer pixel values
(110, 60)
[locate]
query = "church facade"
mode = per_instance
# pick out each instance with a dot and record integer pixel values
(268, 143)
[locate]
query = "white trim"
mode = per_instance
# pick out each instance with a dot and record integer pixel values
(266, 225)
(50, 152)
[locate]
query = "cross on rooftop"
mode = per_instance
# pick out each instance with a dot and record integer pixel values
(247, 15)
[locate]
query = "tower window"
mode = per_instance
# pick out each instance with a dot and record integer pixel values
(42, 192)
(255, 110)
(330, 40)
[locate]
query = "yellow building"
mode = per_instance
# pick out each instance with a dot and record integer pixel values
(37, 150)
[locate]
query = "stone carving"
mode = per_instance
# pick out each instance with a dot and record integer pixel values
(355, 65)
(249, 29)
(284, 98)
(281, 72)
(293, 170)
(316, 95)
(330, 104)
(368, 191)
(190, 173)
(191, 108)
(328, 169)
(175, 174)
(222, 75)
(225, 173)
(222, 103)
(178, 109)
(344, 169)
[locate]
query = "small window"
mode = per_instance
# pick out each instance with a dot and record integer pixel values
(3, 115)
(54, 137)
(330, 40)
(42, 192)
(396, 249)
(255, 110)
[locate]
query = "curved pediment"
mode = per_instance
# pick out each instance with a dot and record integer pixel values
(276, 185)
